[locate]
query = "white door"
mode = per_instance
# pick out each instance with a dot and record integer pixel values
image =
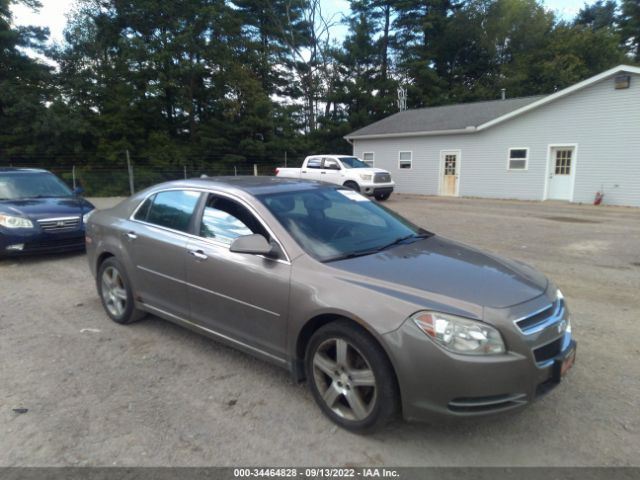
(331, 171)
(312, 170)
(561, 171)
(450, 173)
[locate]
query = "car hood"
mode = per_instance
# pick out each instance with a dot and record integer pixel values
(444, 269)
(37, 208)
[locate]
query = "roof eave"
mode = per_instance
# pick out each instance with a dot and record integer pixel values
(559, 94)
(469, 129)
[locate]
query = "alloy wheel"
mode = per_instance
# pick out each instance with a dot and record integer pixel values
(114, 292)
(344, 379)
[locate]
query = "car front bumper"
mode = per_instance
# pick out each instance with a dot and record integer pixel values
(26, 242)
(436, 384)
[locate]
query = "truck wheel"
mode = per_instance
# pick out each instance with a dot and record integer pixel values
(381, 197)
(352, 186)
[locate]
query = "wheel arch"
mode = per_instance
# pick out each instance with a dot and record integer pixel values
(350, 183)
(317, 322)
(102, 257)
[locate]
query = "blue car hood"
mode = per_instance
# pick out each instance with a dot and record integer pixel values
(50, 207)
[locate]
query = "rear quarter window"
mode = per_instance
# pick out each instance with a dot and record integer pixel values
(143, 211)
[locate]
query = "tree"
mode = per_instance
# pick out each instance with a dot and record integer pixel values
(601, 14)
(25, 84)
(630, 26)
(420, 26)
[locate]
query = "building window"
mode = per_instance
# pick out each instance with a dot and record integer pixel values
(367, 157)
(404, 159)
(518, 158)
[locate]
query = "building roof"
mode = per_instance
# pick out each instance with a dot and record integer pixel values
(445, 118)
(468, 117)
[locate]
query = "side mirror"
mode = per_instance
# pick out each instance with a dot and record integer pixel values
(255, 244)
(78, 191)
(334, 167)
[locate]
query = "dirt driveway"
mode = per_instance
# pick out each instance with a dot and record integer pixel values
(155, 394)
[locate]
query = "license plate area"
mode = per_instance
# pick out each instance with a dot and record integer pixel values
(563, 362)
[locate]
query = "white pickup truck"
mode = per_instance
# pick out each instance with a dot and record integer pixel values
(343, 170)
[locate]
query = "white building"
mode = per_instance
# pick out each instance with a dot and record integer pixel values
(565, 146)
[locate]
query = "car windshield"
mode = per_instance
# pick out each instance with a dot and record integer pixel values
(333, 224)
(15, 186)
(353, 162)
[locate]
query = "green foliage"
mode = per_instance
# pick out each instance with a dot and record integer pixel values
(219, 85)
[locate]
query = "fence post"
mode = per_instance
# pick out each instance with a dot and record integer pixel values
(185, 171)
(235, 171)
(73, 175)
(255, 169)
(285, 159)
(130, 169)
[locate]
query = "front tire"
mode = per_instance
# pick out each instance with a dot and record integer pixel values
(381, 197)
(352, 186)
(351, 378)
(115, 292)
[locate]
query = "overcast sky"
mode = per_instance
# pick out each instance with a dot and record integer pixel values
(53, 13)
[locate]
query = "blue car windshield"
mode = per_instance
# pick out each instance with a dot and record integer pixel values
(333, 224)
(15, 186)
(353, 162)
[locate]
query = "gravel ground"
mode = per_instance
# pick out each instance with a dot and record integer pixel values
(155, 394)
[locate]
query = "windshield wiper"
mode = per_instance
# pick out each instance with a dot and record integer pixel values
(362, 253)
(359, 253)
(399, 240)
(46, 196)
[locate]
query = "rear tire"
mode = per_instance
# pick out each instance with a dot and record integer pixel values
(352, 186)
(351, 378)
(116, 294)
(381, 197)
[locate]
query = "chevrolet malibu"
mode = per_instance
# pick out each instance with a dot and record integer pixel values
(379, 316)
(39, 213)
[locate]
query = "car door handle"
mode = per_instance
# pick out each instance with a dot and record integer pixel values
(131, 235)
(323, 173)
(199, 254)
(304, 171)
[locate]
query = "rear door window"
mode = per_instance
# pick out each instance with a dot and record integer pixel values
(315, 162)
(173, 209)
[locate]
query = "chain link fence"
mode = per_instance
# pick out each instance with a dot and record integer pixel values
(106, 179)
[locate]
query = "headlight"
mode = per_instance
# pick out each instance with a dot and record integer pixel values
(560, 297)
(365, 176)
(86, 216)
(460, 335)
(9, 221)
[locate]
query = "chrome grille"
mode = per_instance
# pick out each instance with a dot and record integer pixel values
(542, 319)
(381, 178)
(59, 224)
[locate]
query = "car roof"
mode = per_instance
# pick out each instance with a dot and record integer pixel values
(253, 185)
(22, 170)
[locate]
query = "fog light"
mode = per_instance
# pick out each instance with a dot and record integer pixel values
(16, 247)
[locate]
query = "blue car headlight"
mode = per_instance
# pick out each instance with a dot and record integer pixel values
(85, 217)
(10, 221)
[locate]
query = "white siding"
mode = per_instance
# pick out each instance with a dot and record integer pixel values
(603, 122)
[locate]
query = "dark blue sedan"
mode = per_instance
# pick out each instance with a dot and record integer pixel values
(39, 213)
